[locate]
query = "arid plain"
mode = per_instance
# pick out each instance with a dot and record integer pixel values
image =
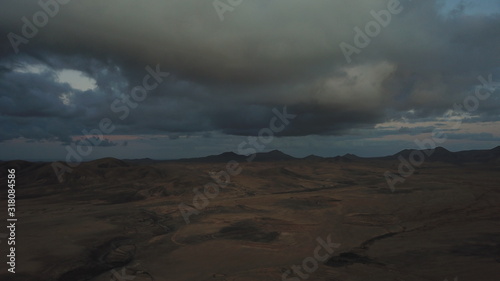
(120, 220)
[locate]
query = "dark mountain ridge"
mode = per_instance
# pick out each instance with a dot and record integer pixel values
(441, 154)
(44, 172)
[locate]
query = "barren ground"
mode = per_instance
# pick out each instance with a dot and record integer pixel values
(442, 222)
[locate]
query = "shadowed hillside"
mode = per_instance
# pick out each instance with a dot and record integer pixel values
(113, 216)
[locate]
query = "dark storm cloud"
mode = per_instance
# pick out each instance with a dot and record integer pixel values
(227, 76)
(417, 130)
(32, 105)
(96, 141)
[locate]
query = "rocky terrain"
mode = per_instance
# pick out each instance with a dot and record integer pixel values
(121, 219)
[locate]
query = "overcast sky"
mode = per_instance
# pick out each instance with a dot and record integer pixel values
(232, 65)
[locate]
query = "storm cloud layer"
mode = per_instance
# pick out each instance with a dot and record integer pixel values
(227, 76)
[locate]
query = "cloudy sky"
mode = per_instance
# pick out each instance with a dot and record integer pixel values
(368, 77)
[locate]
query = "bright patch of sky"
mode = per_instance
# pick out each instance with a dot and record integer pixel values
(31, 68)
(76, 79)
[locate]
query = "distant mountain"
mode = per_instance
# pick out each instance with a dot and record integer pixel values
(273, 156)
(223, 157)
(441, 154)
(345, 158)
(270, 156)
(108, 162)
(313, 157)
(491, 155)
(438, 154)
(123, 170)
